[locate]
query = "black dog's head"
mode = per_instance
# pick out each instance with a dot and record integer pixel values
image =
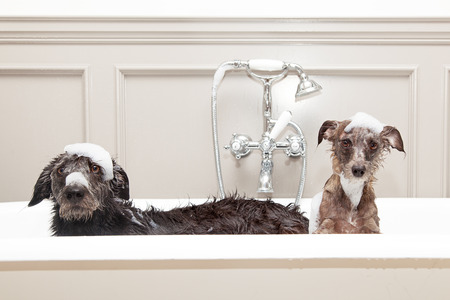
(79, 182)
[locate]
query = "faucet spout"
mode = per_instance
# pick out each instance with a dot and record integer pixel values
(265, 176)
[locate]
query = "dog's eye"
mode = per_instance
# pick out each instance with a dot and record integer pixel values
(60, 170)
(95, 169)
(373, 145)
(346, 143)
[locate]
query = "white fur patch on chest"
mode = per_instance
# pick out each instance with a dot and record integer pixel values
(353, 189)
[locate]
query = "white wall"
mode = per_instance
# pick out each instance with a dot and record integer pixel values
(231, 8)
(141, 87)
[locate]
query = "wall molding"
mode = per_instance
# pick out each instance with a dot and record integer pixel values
(135, 70)
(446, 135)
(109, 30)
(409, 71)
(60, 70)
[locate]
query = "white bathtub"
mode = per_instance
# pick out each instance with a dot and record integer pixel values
(411, 260)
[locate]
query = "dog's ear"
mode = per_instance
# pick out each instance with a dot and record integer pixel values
(393, 138)
(120, 183)
(43, 186)
(327, 130)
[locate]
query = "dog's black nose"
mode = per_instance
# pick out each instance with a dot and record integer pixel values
(74, 193)
(358, 171)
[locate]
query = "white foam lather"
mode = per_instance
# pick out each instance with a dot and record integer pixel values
(281, 123)
(364, 120)
(77, 177)
(97, 154)
(266, 65)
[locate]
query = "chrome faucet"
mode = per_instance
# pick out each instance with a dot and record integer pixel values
(241, 145)
(268, 72)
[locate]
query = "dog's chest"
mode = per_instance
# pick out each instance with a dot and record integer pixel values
(353, 189)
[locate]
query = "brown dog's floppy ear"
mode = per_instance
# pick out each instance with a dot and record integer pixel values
(327, 130)
(120, 183)
(393, 138)
(43, 186)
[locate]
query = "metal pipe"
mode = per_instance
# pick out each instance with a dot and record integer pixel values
(218, 77)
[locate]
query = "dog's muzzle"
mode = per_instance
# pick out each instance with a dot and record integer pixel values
(77, 201)
(74, 192)
(76, 185)
(358, 171)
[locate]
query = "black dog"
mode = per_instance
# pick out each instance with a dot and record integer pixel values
(91, 197)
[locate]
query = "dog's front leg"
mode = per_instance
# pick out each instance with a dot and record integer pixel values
(367, 220)
(367, 225)
(330, 225)
(334, 216)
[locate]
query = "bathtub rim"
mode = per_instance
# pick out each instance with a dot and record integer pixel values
(214, 251)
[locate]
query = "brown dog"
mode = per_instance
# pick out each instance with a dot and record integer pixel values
(347, 203)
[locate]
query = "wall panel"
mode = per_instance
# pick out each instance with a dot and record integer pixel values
(42, 109)
(164, 130)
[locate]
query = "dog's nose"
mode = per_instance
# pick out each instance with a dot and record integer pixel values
(74, 193)
(358, 171)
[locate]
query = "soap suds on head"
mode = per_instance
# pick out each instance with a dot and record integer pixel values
(76, 177)
(97, 154)
(365, 121)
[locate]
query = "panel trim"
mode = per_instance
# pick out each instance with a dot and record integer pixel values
(154, 70)
(409, 71)
(446, 137)
(121, 118)
(81, 70)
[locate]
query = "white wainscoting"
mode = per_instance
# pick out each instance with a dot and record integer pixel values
(141, 88)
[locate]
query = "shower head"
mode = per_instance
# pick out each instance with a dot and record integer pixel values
(306, 86)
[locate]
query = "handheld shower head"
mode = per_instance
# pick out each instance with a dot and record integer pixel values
(282, 122)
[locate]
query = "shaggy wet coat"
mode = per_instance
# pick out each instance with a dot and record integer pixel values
(103, 207)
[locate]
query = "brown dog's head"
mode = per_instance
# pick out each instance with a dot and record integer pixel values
(80, 181)
(359, 145)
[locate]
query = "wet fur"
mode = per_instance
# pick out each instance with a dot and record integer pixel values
(107, 210)
(337, 212)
